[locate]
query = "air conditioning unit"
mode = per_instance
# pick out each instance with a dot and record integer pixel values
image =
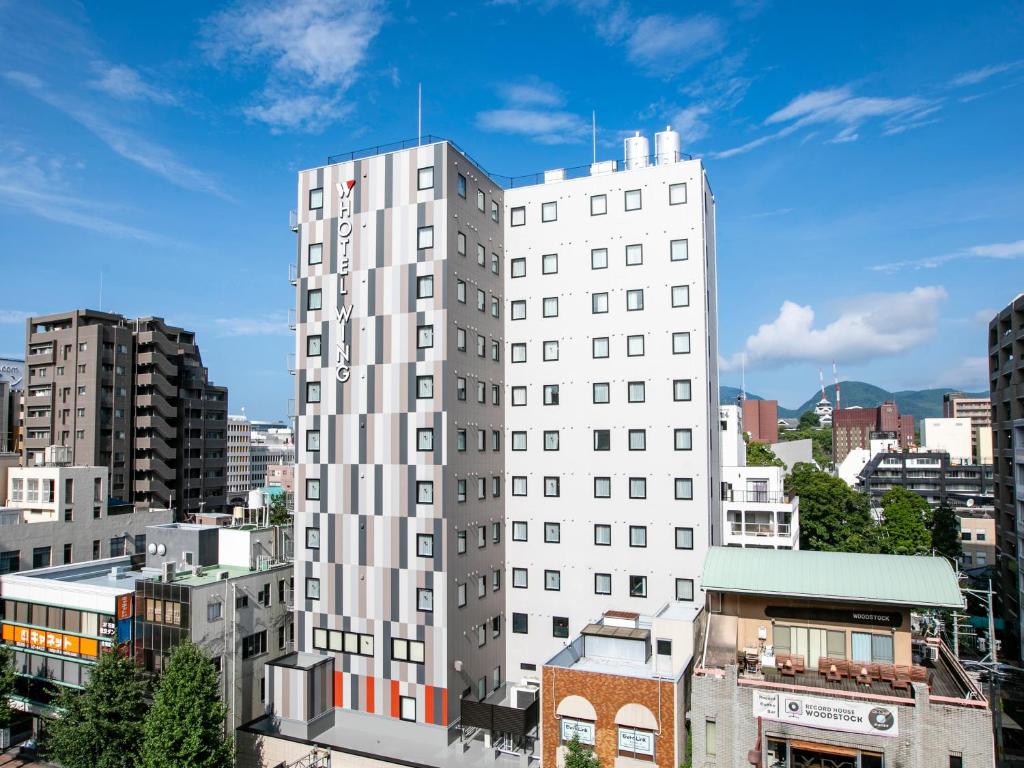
(168, 571)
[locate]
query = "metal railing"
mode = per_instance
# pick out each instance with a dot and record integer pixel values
(756, 497)
(759, 529)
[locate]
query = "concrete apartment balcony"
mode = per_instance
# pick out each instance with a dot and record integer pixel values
(158, 382)
(157, 446)
(150, 359)
(157, 404)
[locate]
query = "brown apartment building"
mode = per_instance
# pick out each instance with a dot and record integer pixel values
(761, 420)
(852, 427)
(132, 396)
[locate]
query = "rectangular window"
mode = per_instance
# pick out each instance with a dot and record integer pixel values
(680, 295)
(424, 545)
(460, 543)
(636, 392)
(601, 393)
(549, 263)
(550, 394)
(552, 486)
(412, 651)
(598, 205)
(461, 186)
(599, 303)
(425, 238)
(633, 201)
(460, 440)
(710, 738)
(425, 287)
(519, 309)
(635, 346)
(315, 253)
(519, 267)
(481, 201)
(520, 530)
(638, 439)
(518, 441)
(638, 586)
(460, 243)
(481, 300)
(481, 348)
(549, 211)
(312, 589)
(634, 255)
(460, 339)
(518, 395)
(460, 490)
(680, 343)
(635, 300)
(638, 488)
(494, 212)
(683, 439)
(424, 387)
(313, 346)
(602, 439)
(520, 578)
(312, 391)
(681, 390)
(312, 439)
(677, 193)
(551, 437)
(312, 489)
(425, 439)
(560, 626)
(637, 535)
(550, 351)
(407, 708)
(424, 492)
(602, 487)
(518, 217)
(519, 353)
(425, 600)
(520, 623)
(494, 306)
(684, 538)
(316, 199)
(684, 589)
(424, 337)
(679, 250)
(599, 258)
(518, 485)
(425, 178)
(460, 593)
(552, 581)
(552, 533)
(600, 347)
(684, 488)
(602, 583)
(314, 299)
(602, 535)
(550, 306)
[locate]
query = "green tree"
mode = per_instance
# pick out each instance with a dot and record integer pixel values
(6, 684)
(946, 533)
(820, 437)
(100, 726)
(761, 455)
(578, 755)
(833, 517)
(809, 420)
(185, 726)
(905, 520)
(279, 511)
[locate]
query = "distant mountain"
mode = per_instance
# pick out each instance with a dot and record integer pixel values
(920, 403)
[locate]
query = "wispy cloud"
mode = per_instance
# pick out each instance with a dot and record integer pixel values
(970, 373)
(531, 93)
(125, 142)
(999, 251)
(839, 108)
(316, 47)
(554, 127)
(14, 316)
(273, 324)
(125, 83)
(866, 328)
(980, 75)
(664, 44)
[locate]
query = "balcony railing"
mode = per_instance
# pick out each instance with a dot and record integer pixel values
(293, 273)
(291, 319)
(760, 529)
(293, 221)
(757, 497)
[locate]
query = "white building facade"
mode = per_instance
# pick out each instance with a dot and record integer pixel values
(955, 436)
(611, 398)
(239, 439)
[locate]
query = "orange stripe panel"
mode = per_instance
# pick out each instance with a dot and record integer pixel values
(396, 705)
(428, 703)
(338, 689)
(369, 695)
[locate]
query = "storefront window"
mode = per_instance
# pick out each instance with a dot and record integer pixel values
(581, 729)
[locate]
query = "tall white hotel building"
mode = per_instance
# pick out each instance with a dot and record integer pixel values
(507, 405)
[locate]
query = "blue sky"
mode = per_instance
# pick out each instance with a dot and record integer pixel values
(866, 159)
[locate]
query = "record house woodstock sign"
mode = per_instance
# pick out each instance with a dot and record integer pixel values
(342, 309)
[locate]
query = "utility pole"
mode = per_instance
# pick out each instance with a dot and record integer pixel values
(991, 663)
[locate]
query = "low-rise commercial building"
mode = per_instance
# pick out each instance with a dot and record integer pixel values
(977, 538)
(811, 659)
(957, 405)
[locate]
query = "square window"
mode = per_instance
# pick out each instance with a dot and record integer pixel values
(461, 186)
(549, 263)
(408, 706)
(635, 346)
(424, 387)
(684, 589)
(636, 391)
(520, 623)
(679, 250)
(518, 396)
(425, 178)
(598, 205)
(552, 581)
(638, 586)
(460, 244)
(681, 390)
(519, 309)
(425, 337)
(551, 440)
(600, 347)
(634, 255)
(312, 489)
(602, 535)
(518, 218)
(480, 200)
(312, 589)
(425, 439)
(638, 439)
(425, 287)
(550, 351)
(424, 492)
(677, 193)
(520, 578)
(314, 299)
(638, 536)
(602, 583)
(552, 486)
(680, 295)
(552, 533)
(313, 346)
(560, 626)
(519, 353)
(518, 441)
(681, 343)
(425, 238)
(518, 486)
(684, 488)
(550, 306)
(519, 267)
(312, 439)
(684, 538)
(683, 439)
(316, 199)
(638, 487)
(599, 258)
(312, 391)
(599, 303)
(424, 545)
(602, 439)
(634, 300)
(520, 530)
(602, 487)
(550, 394)
(425, 600)
(601, 393)
(549, 211)
(315, 255)
(633, 201)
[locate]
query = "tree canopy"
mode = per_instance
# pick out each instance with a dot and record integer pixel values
(100, 726)
(185, 726)
(6, 684)
(578, 755)
(810, 429)
(906, 518)
(833, 517)
(946, 533)
(761, 455)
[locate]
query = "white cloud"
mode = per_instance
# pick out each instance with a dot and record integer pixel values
(665, 44)
(14, 316)
(316, 47)
(690, 123)
(868, 327)
(125, 83)
(531, 93)
(975, 76)
(970, 374)
(129, 145)
(274, 324)
(544, 127)
(998, 251)
(984, 316)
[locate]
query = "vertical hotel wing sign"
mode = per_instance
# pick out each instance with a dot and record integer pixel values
(342, 307)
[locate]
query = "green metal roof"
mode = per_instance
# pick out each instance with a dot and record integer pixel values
(841, 576)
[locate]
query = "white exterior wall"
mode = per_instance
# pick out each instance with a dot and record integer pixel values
(575, 233)
(734, 447)
(758, 518)
(84, 497)
(950, 435)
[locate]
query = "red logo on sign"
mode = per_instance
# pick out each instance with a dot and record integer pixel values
(351, 183)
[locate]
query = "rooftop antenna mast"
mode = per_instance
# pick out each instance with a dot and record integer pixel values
(835, 378)
(419, 114)
(593, 131)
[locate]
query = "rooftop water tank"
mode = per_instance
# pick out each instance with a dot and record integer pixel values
(666, 146)
(637, 151)
(256, 499)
